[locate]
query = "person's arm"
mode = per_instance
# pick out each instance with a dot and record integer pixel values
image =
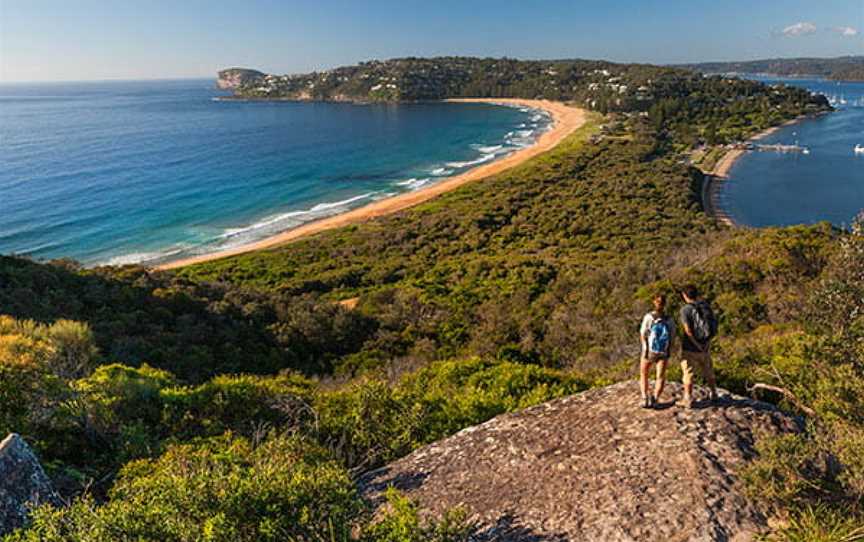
(643, 335)
(685, 326)
(689, 333)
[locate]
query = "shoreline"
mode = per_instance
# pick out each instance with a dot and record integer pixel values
(565, 121)
(716, 178)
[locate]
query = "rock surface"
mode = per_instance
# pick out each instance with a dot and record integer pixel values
(595, 466)
(233, 78)
(23, 483)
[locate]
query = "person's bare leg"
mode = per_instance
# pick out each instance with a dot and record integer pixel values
(644, 369)
(660, 383)
(710, 378)
(687, 382)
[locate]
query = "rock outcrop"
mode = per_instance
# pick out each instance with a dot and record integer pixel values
(595, 466)
(23, 483)
(234, 78)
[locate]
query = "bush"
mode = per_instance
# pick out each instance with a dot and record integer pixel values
(402, 523)
(821, 523)
(228, 488)
(30, 394)
(223, 489)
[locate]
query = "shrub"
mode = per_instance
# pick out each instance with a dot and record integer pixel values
(223, 489)
(821, 523)
(242, 404)
(402, 523)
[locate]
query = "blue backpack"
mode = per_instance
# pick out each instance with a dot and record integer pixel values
(659, 337)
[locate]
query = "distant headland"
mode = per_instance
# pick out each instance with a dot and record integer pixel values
(599, 85)
(424, 79)
(234, 78)
(844, 68)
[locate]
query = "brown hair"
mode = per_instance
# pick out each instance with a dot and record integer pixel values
(690, 291)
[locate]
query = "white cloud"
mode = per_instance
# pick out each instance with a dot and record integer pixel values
(846, 31)
(799, 29)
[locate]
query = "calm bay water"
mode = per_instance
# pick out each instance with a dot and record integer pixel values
(776, 189)
(121, 172)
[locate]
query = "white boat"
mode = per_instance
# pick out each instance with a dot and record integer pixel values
(859, 149)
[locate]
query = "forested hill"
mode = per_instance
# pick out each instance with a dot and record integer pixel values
(844, 68)
(598, 85)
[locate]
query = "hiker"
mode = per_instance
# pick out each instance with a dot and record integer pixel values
(656, 335)
(700, 326)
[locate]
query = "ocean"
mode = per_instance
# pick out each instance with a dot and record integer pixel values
(150, 171)
(779, 189)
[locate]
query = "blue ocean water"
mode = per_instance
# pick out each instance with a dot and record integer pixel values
(123, 172)
(777, 189)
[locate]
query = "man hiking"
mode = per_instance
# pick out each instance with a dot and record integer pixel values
(699, 326)
(656, 335)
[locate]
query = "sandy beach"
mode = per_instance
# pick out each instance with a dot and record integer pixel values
(565, 120)
(713, 189)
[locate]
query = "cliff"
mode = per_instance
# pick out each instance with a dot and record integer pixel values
(234, 78)
(595, 466)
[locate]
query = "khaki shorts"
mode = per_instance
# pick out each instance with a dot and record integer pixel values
(693, 362)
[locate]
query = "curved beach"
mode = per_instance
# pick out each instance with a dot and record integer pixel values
(719, 174)
(565, 120)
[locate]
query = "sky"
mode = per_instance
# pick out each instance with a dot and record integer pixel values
(62, 40)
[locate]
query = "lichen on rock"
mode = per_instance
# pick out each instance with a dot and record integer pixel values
(23, 483)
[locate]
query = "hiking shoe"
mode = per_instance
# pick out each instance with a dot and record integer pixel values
(652, 401)
(714, 397)
(646, 402)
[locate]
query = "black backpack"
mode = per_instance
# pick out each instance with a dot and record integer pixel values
(704, 322)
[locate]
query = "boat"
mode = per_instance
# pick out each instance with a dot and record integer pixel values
(859, 149)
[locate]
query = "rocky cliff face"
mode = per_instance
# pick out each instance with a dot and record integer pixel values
(595, 466)
(234, 78)
(23, 484)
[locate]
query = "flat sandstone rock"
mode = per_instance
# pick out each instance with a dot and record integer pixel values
(595, 466)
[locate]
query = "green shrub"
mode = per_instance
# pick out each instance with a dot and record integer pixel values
(789, 471)
(223, 489)
(456, 394)
(821, 523)
(371, 422)
(402, 523)
(239, 403)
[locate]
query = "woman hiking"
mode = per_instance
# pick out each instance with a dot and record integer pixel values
(656, 335)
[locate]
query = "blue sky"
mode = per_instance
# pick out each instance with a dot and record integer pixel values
(124, 39)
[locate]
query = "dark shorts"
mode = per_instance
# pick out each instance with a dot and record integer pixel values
(654, 357)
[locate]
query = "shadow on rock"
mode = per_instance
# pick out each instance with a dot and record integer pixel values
(402, 481)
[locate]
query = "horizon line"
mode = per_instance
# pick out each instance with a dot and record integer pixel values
(236, 66)
(107, 80)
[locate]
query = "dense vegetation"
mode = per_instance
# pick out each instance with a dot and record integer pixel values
(844, 68)
(238, 399)
(598, 85)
